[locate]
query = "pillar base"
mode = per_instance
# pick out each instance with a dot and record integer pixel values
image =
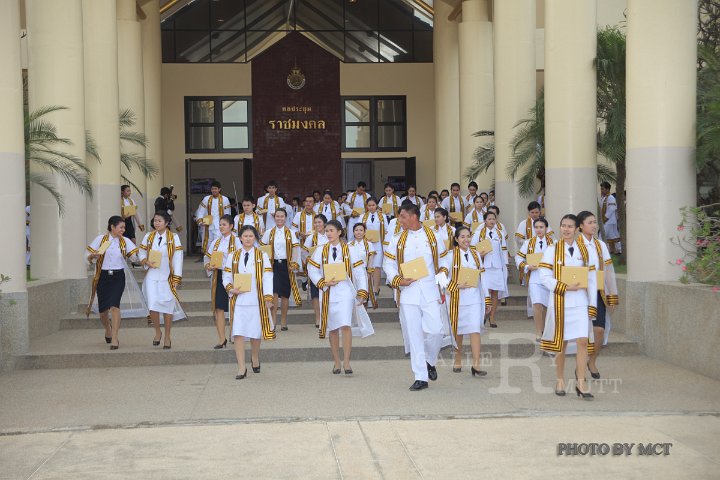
(14, 328)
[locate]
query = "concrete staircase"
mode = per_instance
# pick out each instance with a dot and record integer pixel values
(79, 342)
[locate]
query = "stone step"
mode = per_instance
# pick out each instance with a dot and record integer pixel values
(296, 316)
(193, 345)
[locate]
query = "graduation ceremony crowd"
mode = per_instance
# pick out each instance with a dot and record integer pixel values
(445, 256)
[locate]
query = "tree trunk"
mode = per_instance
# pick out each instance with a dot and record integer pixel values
(620, 199)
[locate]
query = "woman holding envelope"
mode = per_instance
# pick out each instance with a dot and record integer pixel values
(162, 256)
(340, 274)
(427, 211)
(607, 297)
(365, 250)
(489, 242)
(109, 252)
(129, 212)
(215, 259)
(376, 224)
(412, 197)
(248, 279)
(444, 232)
(568, 272)
(468, 297)
(474, 218)
(528, 260)
(313, 241)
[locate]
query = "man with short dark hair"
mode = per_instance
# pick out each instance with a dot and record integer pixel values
(356, 204)
(455, 204)
(269, 203)
(214, 205)
(420, 300)
(608, 213)
(525, 228)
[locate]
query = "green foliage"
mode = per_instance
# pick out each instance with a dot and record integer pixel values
(707, 153)
(700, 240)
(131, 160)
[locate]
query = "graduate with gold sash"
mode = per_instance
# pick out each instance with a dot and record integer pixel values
(250, 298)
(341, 296)
(455, 203)
(570, 313)
(367, 252)
(412, 197)
(270, 203)
(391, 200)
(495, 261)
(525, 228)
(214, 205)
(355, 204)
(317, 239)
(223, 246)
(376, 223)
(330, 208)
(248, 217)
(538, 295)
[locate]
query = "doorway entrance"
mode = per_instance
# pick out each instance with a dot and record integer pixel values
(376, 172)
(234, 175)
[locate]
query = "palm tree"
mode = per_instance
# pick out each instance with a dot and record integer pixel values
(41, 149)
(132, 160)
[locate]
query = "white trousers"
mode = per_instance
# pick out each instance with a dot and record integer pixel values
(424, 329)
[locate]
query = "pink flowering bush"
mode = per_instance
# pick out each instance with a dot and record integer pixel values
(700, 241)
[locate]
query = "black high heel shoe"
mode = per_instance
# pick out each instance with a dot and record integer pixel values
(559, 393)
(594, 375)
(115, 347)
(585, 396)
(240, 377)
(336, 371)
(457, 369)
(256, 369)
(108, 339)
(479, 373)
(157, 342)
(348, 371)
(167, 347)
(220, 346)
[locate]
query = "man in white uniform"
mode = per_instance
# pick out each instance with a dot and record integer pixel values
(269, 203)
(420, 300)
(608, 212)
(215, 205)
(356, 201)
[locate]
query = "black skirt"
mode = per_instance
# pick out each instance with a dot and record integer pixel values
(599, 321)
(110, 288)
(129, 228)
(314, 292)
(281, 279)
(221, 296)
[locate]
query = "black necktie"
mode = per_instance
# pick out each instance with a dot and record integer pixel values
(540, 244)
(372, 219)
(159, 239)
(247, 254)
(490, 234)
(572, 249)
(334, 253)
(466, 258)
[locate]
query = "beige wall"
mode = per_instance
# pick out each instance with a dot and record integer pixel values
(416, 82)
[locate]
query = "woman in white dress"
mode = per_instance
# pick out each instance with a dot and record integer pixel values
(338, 298)
(476, 216)
(365, 250)
(313, 241)
(495, 261)
(250, 308)
(466, 304)
(427, 211)
(161, 281)
(377, 222)
(538, 295)
(109, 279)
(227, 243)
(412, 197)
(570, 313)
(607, 297)
(443, 230)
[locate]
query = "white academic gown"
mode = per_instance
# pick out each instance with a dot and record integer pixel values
(266, 202)
(156, 287)
(211, 206)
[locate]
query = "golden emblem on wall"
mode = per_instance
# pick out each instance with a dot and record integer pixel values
(296, 79)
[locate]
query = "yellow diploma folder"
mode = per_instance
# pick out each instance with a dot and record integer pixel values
(154, 258)
(216, 260)
(387, 209)
(334, 272)
(267, 249)
(429, 223)
(456, 217)
(533, 259)
(468, 277)
(372, 235)
(574, 275)
(103, 248)
(474, 226)
(600, 280)
(414, 269)
(358, 211)
(207, 220)
(241, 281)
(484, 246)
(128, 210)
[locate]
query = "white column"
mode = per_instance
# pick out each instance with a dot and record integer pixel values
(514, 58)
(130, 82)
(55, 72)
(447, 97)
(570, 109)
(101, 110)
(661, 89)
(477, 99)
(152, 72)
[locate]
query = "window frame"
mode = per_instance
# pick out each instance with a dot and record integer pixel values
(374, 123)
(217, 124)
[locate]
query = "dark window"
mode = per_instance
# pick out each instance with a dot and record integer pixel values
(217, 124)
(364, 31)
(374, 124)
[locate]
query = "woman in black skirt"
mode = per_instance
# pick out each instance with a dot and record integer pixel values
(227, 243)
(109, 252)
